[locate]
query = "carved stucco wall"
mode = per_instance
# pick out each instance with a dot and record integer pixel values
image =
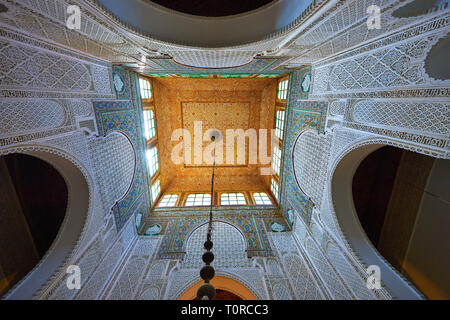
(371, 92)
(378, 93)
(45, 92)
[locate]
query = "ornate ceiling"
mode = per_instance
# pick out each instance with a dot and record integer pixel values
(219, 104)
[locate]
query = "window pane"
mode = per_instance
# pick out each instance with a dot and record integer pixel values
(146, 90)
(149, 124)
(274, 188)
(156, 188)
(198, 199)
(152, 159)
(168, 200)
(279, 124)
(230, 199)
(282, 89)
(261, 198)
(276, 160)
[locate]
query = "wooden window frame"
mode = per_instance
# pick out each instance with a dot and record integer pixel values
(146, 100)
(196, 192)
(160, 191)
(219, 198)
(157, 173)
(278, 86)
(177, 203)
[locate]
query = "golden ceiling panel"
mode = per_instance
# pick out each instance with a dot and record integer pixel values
(239, 104)
(200, 117)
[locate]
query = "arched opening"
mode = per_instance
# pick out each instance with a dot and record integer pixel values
(47, 206)
(226, 289)
(213, 8)
(152, 19)
(392, 205)
(436, 65)
(32, 211)
(420, 7)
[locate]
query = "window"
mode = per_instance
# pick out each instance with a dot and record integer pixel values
(282, 89)
(152, 159)
(231, 199)
(279, 124)
(198, 199)
(169, 200)
(261, 198)
(146, 89)
(274, 188)
(276, 160)
(156, 188)
(149, 124)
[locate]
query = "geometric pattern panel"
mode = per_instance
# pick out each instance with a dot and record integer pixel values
(423, 116)
(354, 281)
(23, 66)
(173, 245)
(310, 156)
(393, 67)
(128, 281)
(150, 294)
(325, 270)
(398, 66)
(281, 292)
(303, 283)
(113, 158)
(25, 116)
(213, 59)
(229, 247)
(337, 108)
(257, 65)
(80, 108)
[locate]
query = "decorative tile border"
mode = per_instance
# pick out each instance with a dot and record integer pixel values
(301, 115)
(124, 115)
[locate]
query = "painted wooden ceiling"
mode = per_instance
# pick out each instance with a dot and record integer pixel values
(219, 104)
